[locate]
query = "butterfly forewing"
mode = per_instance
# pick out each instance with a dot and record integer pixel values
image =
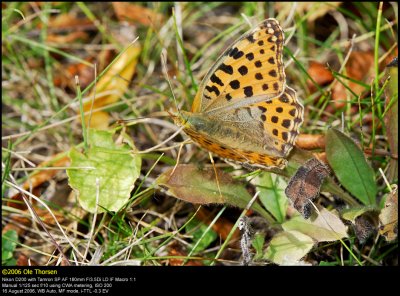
(250, 67)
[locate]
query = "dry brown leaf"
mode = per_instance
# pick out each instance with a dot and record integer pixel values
(305, 185)
(68, 38)
(115, 80)
(67, 20)
(389, 216)
(134, 13)
(24, 260)
(65, 74)
(18, 221)
(318, 9)
(223, 226)
(320, 74)
(36, 179)
(310, 142)
(176, 250)
(359, 67)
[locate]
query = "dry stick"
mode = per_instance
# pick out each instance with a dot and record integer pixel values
(177, 160)
(162, 143)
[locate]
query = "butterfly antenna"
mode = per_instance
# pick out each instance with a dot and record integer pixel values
(164, 67)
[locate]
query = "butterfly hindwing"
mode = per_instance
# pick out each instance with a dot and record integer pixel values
(250, 67)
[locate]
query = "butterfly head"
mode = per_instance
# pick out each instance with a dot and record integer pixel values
(180, 117)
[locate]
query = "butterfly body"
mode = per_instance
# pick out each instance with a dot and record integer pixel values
(243, 110)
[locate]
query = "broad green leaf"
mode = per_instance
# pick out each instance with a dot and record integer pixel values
(191, 184)
(288, 247)
(9, 242)
(114, 166)
(197, 228)
(391, 118)
(350, 166)
(353, 213)
(326, 227)
(272, 195)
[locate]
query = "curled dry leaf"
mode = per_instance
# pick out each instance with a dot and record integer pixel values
(305, 185)
(310, 142)
(363, 228)
(389, 216)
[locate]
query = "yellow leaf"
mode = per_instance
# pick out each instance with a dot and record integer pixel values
(115, 81)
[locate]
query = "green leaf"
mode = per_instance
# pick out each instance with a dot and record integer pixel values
(272, 195)
(9, 242)
(200, 186)
(288, 247)
(258, 244)
(197, 228)
(353, 213)
(326, 227)
(115, 167)
(350, 166)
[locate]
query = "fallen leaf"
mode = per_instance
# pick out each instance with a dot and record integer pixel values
(360, 67)
(389, 216)
(320, 74)
(18, 221)
(392, 119)
(67, 20)
(310, 142)
(326, 227)
(222, 226)
(288, 247)
(194, 185)
(318, 9)
(134, 13)
(363, 228)
(305, 184)
(116, 81)
(39, 177)
(176, 250)
(68, 38)
(115, 171)
(24, 260)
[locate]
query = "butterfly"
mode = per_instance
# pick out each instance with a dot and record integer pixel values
(243, 110)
